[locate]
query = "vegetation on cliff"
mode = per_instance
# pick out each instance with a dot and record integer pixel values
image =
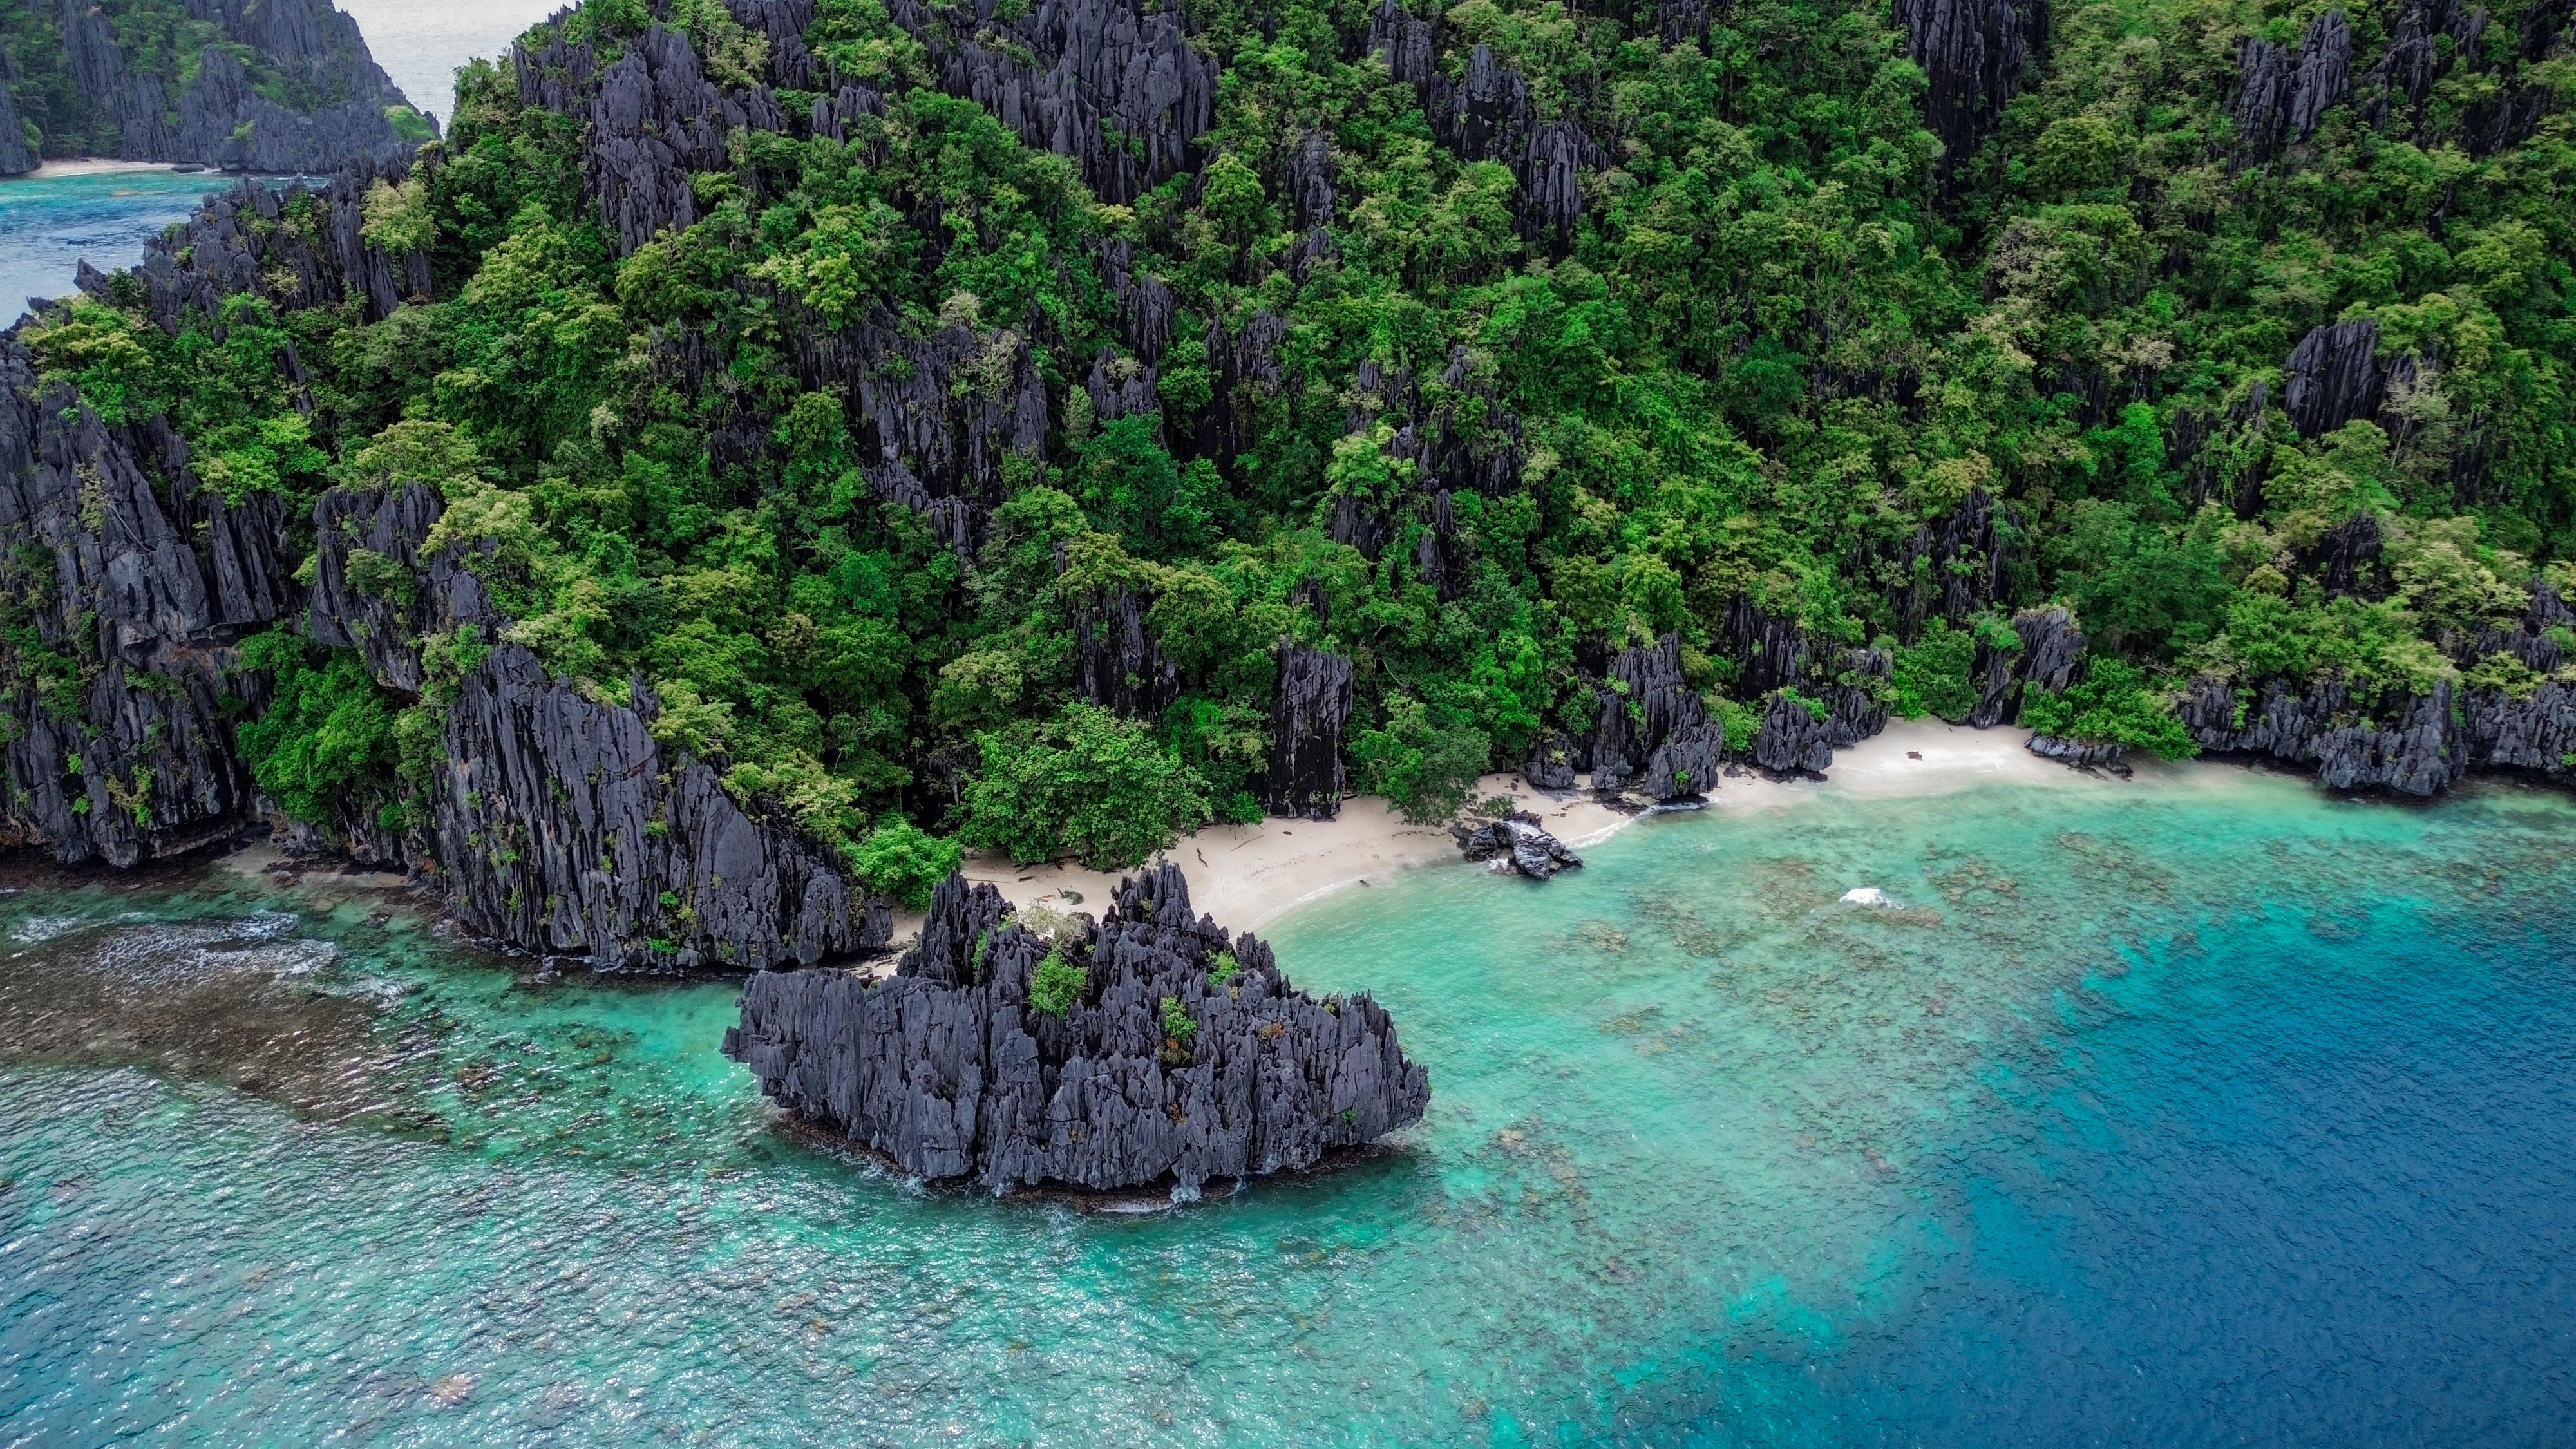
(938, 445)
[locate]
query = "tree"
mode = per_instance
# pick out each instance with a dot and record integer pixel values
(1084, 783)
(903, 862)
(2112, 704)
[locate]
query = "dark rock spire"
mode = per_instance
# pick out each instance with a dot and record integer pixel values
(2335, 376)
(1119, 90)
(1116, 664)
(1307, 714)
(1652, 729)
(1181, 1053)
(1976, 54)
(2281, 93)
(1485, 114)
(232, 245)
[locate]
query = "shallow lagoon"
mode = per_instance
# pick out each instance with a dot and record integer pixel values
(49, 223)
(2221, 1110)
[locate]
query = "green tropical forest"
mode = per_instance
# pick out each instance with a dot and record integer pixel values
(951, 467)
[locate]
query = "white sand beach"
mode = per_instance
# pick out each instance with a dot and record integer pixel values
(1247, 875)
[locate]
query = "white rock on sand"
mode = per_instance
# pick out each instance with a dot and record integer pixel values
(1247, 875)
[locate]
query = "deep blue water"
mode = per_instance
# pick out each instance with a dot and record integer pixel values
(2218, 1112)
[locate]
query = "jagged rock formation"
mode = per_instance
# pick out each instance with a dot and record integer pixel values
(2079, 754)
(1116, 665)
(2048, 650)
(148, 576)
(298, 247)
(1976, 55)
(1465, 440)
(1517, 841)
(2335, 376)
(1775, 659)
(655, 120)
(1551, 762)
(955, 1069)
(1486, 115)
(1795, 739)
(90, 98)
(2416, 751)
(557, 823)
(123, 582)
(1652, 731)
(2411, 744)
(2281, 92)
(1102, 81)
(1951, 569)
(17, 154)
(1306, 719)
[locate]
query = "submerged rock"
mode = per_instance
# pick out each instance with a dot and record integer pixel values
(1151, 1047)
(1517, 839)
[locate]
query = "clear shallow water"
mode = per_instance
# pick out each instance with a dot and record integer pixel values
(2235, 1114)
(48, 223)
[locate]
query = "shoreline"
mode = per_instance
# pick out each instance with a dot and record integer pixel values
(56, 170)
(1247, 876)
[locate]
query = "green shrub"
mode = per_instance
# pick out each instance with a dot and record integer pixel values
(2112, 703)
(1056, 985)
(328, 731)
(903, 862)
(1086, 784)
(1422, 760)
(1932, 674)
(1176, 1020)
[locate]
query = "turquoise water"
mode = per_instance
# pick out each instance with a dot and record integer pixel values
(2217, 1112)
(49, 223)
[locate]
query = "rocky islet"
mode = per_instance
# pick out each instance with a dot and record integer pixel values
(1150, 1047)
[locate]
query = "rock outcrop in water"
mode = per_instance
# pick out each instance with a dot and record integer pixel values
(1150, 1048)
(1518, 841)
(84, 94)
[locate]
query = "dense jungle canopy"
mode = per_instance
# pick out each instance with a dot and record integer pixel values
(946, 413)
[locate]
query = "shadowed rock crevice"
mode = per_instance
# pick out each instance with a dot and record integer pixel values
(1150, 1048)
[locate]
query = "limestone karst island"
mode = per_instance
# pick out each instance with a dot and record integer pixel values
(1899, 679)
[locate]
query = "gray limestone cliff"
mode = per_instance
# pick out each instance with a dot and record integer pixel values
(2410, 743)
(557, 823)
(277, 86)
(1150, 1048)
